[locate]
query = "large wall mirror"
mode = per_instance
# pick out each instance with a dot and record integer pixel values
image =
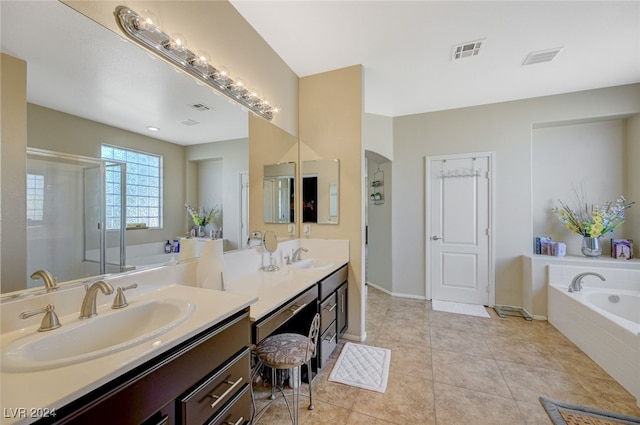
(126, 91)
(320, 191)
(279, 192)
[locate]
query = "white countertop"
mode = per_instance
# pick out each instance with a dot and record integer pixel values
(54, 388)
(275, 288)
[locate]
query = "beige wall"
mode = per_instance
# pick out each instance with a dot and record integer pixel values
(60, 132)
(379, 253)
(331, 109)
(633, 178)
(588, 156)
(505, 128)
(216, 27)
(13, 224)
(377, 135)
(235, 159)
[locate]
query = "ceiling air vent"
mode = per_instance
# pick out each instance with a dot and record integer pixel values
(541, 56)
(466, 50)
(189, 122)
(200, 107)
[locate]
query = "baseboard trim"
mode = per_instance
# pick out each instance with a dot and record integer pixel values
(396, 294)
(355, 338)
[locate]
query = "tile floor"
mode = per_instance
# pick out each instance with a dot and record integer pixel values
(449, 369)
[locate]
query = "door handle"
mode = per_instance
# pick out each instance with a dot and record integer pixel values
(435, 238)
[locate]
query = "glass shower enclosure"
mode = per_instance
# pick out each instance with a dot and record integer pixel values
(67, 229)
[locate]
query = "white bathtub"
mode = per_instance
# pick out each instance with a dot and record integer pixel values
(607, 331)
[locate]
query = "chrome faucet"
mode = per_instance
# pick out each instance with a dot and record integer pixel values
(576, 283)
(49, 281)
(296, 254)
(88, 308)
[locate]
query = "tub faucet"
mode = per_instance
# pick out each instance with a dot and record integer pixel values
(88, 308)
(576, 283)
(296, 254)
(49, 281)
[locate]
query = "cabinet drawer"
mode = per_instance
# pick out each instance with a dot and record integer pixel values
(328, 343)
(208, 397)
(328, 310)
(331, 283)
(145, 390)
(237, 411)
(266, 326)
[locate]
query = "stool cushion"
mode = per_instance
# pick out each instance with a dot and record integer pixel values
(284, 351)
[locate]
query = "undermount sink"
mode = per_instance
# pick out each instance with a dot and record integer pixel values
(311, 264)
(87, 339)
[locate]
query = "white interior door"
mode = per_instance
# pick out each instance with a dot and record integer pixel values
(459, 263)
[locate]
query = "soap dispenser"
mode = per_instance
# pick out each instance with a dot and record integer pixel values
(167, 247)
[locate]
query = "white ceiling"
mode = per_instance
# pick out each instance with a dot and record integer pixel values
(406, 47)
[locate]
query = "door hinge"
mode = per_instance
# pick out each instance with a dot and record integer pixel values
(488, 289)
(487, 231)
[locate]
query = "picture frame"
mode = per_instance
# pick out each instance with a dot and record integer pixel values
(622, 249)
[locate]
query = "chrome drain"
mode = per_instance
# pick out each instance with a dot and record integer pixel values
(614, 298)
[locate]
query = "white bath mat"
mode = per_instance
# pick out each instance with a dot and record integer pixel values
(362, 366)
(459, 308)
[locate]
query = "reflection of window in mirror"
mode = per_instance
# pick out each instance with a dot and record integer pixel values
(143, 179)
(320, 191)
(35, 199)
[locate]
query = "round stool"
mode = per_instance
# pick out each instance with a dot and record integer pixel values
(290, 351)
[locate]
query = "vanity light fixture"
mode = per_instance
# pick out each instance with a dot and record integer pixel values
(173, 49)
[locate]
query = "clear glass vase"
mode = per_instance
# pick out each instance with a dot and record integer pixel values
(591, 247)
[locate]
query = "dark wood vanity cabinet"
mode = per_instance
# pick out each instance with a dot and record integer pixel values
(332, 298)
(204, 380)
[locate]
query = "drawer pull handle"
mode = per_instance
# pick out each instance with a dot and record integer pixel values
(331, 339)
(219, 398)
(294, 310)
(238, 422)
(333, 307)
(164, 420)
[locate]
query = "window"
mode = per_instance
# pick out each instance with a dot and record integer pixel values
(144, 194)
(35, 198)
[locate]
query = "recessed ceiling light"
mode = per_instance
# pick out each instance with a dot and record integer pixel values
(152, 128)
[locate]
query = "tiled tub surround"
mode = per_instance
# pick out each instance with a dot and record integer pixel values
(450, 369)
(610, 340)
(56, 387)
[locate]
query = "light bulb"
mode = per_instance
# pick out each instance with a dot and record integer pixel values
(222, 74)
(148, 20)
(238, 85)
(177, 42)
(201, 59)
